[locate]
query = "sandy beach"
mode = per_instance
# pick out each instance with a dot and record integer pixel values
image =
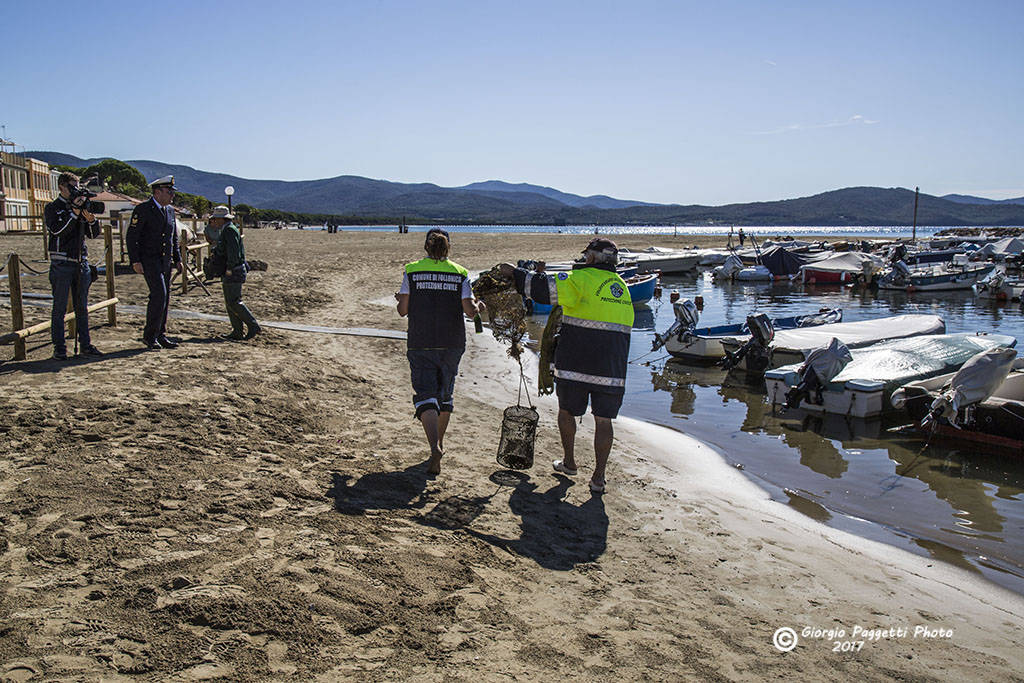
(261, 510)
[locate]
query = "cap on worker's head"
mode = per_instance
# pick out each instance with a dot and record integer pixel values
(167, 181)
(603, 245)
(222, 211)
(438, 231)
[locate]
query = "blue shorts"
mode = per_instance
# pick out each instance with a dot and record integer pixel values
(573, 397)
(433, 378)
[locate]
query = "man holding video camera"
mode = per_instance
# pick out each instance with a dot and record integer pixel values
(69, 222)
(152, 241)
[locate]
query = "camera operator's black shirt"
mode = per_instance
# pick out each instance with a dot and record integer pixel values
(67, 231)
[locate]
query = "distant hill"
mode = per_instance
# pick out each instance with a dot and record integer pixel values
(598, 201)
(495, 201)
(968, 199)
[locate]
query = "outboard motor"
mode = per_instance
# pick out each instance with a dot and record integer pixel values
(762, 332)
(820, 368)
(897, 254)
(687, 316)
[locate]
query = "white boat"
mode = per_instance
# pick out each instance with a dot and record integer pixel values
(704, 344)
(792, 346)
(934, 278)
(999, 288)
(841, 268)
(864, 384)
(667, 261)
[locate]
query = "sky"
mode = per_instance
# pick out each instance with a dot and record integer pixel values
(671, 102)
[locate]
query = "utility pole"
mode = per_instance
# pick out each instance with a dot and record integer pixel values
(913, 237)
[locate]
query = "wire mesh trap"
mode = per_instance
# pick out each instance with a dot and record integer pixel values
(518, 433)
(505, 309)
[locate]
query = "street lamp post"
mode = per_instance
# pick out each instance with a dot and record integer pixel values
(230, 190)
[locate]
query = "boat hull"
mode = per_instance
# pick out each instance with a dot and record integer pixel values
(935, 282)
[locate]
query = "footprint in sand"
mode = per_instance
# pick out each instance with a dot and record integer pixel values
(266, 536)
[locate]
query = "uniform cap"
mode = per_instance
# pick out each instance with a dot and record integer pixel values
(160, 182)
(602, 244)
(221, 212)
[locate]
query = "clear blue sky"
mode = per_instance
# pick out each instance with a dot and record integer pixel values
(688, 102)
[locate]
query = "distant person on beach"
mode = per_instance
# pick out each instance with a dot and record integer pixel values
(152, 240)
(231, 249)
(593, 346)
(68, 224)
(742, 236)
(435, 294)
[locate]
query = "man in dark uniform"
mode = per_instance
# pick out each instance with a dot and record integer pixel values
(152, 248)
(68, 223)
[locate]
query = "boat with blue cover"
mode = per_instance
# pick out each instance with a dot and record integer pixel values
(641, 290)
(704, 344)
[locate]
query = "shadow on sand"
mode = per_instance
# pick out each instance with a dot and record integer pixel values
(554, 533)
(398, 490)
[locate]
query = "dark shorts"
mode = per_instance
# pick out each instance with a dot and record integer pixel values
(433, 378)
(573, 397)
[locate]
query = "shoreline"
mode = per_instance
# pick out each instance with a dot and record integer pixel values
(260, 510)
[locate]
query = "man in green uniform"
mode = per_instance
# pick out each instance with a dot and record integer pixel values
(593, 346)
(232, 251)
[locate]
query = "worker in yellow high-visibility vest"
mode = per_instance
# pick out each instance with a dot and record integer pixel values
(593, 346)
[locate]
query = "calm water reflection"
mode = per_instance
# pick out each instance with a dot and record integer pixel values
(959, 505)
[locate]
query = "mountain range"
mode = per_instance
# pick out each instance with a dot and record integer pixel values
(495, 201)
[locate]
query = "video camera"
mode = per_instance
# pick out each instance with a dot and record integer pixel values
(81, 196)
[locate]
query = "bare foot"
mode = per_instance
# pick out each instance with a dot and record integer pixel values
(434, 464)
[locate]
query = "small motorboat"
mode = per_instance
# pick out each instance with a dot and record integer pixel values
(793, 346)
(858, 383)
(999, 288)
(934, 278)
(641, 290)
(704, 345)
(666, 261)
(981, 403)
(841, 268)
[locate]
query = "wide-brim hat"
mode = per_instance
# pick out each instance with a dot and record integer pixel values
(166, 181)
(222, 211)
(602, 244)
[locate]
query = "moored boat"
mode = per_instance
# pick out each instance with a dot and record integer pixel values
(868, 376)
(665, 261)
(641, 290)
(704, 345)
(793, 346)
(934, 278)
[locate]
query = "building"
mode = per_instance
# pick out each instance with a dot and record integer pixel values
(42, 186)
(14, 189)
(115, 201)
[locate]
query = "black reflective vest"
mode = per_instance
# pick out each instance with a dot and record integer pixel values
(435, 304)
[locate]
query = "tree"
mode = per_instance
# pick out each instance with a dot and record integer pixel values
(117, 174)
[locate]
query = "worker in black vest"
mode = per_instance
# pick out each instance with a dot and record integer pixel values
(435, 294)
(152, 239)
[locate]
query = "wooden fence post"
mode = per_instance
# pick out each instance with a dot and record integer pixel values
(73, 323)
(108, 241)
(183, 251)
(17, 315)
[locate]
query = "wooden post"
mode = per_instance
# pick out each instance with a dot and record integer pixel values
(183, 251)
(72, 324)
(120, 237)
(17, 315)
(108, 241)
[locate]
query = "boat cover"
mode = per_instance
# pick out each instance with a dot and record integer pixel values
(854, 262)
(859, 333)
(974, 382)
(781, 261)
(754, 274)
(732, 265)
(904, 360)
(1009, 246)
(828, 361)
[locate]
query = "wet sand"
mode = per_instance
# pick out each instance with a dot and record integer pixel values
(261, 510)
